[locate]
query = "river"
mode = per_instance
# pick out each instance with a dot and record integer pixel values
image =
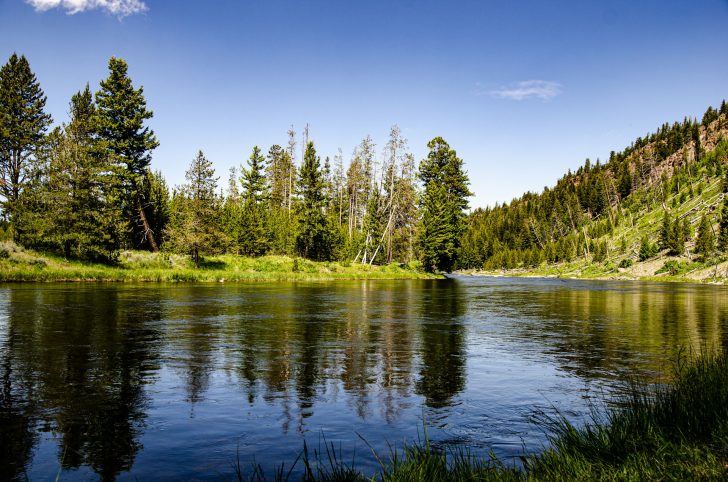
(178, 382)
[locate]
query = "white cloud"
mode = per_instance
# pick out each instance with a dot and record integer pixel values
(526, 89)
(122, 8)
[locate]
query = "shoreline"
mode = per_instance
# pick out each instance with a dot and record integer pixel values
(581, 271)
(18, 265)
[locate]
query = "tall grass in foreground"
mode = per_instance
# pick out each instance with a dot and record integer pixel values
(675, 431)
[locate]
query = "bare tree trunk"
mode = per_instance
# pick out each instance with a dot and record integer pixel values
(148, 233)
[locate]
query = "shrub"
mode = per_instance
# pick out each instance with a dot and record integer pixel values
(647, 249)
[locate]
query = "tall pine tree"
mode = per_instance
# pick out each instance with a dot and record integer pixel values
(23, 124)
(705, 243)
(723, 227)
(444, 202)
(121, 112)
(255, 236)
(314, 239)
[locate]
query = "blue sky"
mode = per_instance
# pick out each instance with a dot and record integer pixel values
(522, 90)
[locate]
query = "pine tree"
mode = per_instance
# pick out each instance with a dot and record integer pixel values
(314, 238)
(437, 243)
(723, 233)
(195, 225)
(705, 244)
(647, 249)
(155, 194)
(23, 125)
(444, 204)
(666, 240)
(76, 195)
(679, 233)
(121, 112)
(255, 237)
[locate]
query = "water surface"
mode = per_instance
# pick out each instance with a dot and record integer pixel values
(178, 381)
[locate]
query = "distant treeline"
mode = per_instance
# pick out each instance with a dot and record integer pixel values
(85, 190)
(573, 218)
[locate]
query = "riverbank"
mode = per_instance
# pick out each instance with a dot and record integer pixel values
(21, 265)
(662, 268)
(676, 431)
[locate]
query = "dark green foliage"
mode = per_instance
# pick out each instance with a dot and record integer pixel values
(120, 127)
(254, 238)
(723, 227)
(625, 181)
(23, 124)
(155, 199)
(315, 239)
(72, 208)
(705, 244)
(119, 124)
(673, 234)
(710, 115)
(437, 240)
(599, 251)
(625, 263)
(443, 206)
(666, 232)
(647, 249)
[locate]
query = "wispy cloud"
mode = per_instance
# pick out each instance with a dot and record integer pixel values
(121, 8)
(527, 89)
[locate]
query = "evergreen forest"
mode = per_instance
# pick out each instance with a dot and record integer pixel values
(85, 190)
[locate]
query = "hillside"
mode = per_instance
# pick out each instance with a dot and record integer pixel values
(617, 220)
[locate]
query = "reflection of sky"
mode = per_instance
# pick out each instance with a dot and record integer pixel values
(255, 369)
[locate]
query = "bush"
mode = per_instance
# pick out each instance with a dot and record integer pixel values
(647, 249)
(625, 263)
(671, 267)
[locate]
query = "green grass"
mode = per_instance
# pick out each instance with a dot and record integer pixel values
(674, 431)
(18, 264)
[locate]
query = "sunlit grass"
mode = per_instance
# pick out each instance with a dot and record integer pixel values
(17, 264)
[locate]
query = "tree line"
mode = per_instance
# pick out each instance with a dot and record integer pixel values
(85, 190)
(573, 218)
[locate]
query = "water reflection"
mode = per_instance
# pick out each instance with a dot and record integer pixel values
(75, 363)
(119, 380)
(606, 329)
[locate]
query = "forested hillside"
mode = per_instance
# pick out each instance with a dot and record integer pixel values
(664, 195)
(85, 190)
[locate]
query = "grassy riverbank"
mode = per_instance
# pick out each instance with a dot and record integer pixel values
(677, 431)
(661, 268)
(17, 264)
